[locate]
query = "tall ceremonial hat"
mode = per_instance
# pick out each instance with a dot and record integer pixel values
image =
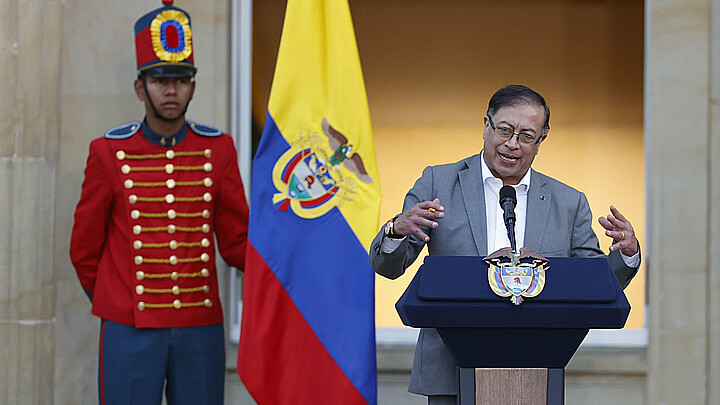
(163, 43)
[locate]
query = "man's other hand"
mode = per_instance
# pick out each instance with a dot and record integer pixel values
(621, 230)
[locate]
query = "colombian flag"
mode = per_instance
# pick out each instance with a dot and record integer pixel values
(308, 329)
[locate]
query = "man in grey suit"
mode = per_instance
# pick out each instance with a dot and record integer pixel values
(454, 209)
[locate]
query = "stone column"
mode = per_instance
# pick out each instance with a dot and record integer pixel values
(713, 243)
(29, 56)
(682, 136)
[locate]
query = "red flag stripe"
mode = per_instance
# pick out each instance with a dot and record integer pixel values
(277, 345)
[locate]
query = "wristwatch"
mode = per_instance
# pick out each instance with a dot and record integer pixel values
(389, 228)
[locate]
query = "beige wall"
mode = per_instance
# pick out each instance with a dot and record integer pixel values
(431, 67)
(29, 50)
(683, 189)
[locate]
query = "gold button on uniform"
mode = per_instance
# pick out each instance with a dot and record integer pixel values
(205, 257)
(128, 184)
(139, 275)
(172, 214)
(207, 153)
(120, 155)
(141, 305)
(207, 303)
(207, 182)
(207, 197)
(125, 169)
(206, 214)
(176, 290)
(137, 244)
(205, 272)
(173, 245)
(207, 167)
(134, 214)
(173, 260)
(205, 242)
(206, 288)
(170, 154)
(172, 229)
(177, 304)
(137, 229)
(206, 228)
(169, 168)
(138, 260)
(132, 198)
(174, 276)
(169, 198)
(139, 289)
(170, 183)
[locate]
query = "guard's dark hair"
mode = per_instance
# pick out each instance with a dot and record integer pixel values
(515, 94)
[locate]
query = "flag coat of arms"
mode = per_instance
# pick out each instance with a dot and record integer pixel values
(308, 323)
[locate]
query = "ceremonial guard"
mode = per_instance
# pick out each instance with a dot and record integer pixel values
(155, 192)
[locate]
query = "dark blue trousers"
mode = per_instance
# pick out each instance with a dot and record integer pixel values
(137, 364)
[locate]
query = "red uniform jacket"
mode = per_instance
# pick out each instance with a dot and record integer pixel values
(142, 242)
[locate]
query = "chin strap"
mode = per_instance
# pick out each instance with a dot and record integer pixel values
(152, 105)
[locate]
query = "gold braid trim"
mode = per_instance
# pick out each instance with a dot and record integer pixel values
(189, 228)
(151, 199)
(184, 304)
(190, 153)
(177, 199)
(169, 290)
(190, 260)
(153, 215)
(164, 184)
(190, 183)
(154, 229)
(188, 199)
(162, 168)
(149, 184)
(180, 275)
(165, 215)
(193, 304)
(167, 244)
(165, 228)
(189, 214)
(190, 168)
(164, 155)
(148, 169)
(158, 306)
(143, 157)
(167, 261)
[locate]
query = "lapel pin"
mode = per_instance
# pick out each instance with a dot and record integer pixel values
(542, 197)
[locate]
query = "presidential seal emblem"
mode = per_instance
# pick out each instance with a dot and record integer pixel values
(317, 173)
(516, 275)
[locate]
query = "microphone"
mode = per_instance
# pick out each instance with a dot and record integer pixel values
(508, 201)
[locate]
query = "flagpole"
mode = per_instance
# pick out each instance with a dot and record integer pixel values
(240, 126)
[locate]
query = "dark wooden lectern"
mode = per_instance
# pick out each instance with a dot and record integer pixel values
(509, 353)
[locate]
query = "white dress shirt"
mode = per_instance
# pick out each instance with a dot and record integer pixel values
(497, 237)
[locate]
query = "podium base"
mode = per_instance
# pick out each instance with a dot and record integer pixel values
(512, 386)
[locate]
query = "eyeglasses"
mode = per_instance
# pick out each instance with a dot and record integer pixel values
(506, 134)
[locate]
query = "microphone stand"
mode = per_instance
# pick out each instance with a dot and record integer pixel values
(508, 201)
(510, 225)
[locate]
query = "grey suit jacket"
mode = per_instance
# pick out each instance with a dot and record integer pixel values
(558, 224)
